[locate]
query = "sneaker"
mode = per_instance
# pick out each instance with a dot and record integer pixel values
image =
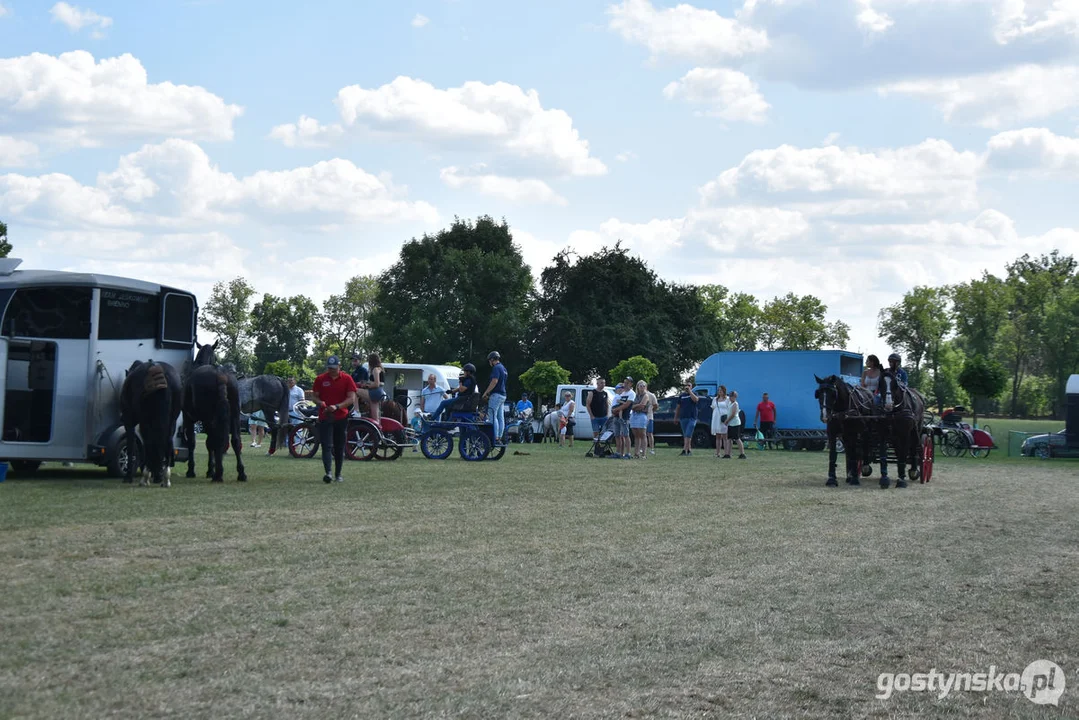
(688, 452)
(338, 479)
(742, 456)
(681, 454)
(327, 478)
(254, 445)
(651, 452)
(726, 457)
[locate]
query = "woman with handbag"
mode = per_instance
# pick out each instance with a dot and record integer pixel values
(720, 408)
(734, 427)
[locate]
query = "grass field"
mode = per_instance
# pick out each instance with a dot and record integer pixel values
(546, 585)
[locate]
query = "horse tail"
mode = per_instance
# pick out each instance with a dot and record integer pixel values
(223, 414)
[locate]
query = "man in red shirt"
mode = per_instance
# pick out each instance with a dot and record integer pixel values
(765, 419)
(335, 393)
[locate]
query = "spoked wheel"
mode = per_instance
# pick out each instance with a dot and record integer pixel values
(474, 445)
(987, 429)
(437, 444)
(979, 452)
(524, 432)
(302, 442)
(391, 452)
(955, 444)
(929, 450)
(362, 441)
(497, 452)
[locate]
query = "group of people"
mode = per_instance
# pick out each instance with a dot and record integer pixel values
(632, 412)
(726, 424)
(873, 375)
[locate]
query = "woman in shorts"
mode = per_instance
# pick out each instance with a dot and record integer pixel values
(373, 394)
(638, 421)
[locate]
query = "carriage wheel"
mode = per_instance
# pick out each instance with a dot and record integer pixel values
(496, 453)
(979, 452)
(474, 445)
(391, 452)
(955, 444)
(437, 444)
(986, 429)
(866, 469)
(362, 441)
(929, 450)
(302, 442)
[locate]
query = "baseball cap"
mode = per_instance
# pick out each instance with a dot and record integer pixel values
(333, 362)
(628, 379)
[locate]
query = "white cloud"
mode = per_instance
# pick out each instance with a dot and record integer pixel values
(1062, 16)
(872, 20)
(420, 20)
(307, 132)
(75, 18)
(71, 100)
(1033, 149)
(499, 118)
(174, 185)
(685, 32)
(998, 99)
(625, 156)
(15, 152)
(528, 190)
(928, 177)
(4, 11)
(731, 95)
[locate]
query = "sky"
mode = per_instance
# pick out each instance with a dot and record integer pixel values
(851, 149)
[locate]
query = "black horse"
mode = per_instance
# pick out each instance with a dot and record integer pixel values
(211, 396)
(150, 399)
(904, 409)
(840, 406)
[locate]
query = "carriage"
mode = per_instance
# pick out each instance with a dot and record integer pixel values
(475, 436)
(364, 440)
(921, 462)
(956, 438)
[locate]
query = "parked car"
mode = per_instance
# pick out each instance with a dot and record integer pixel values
(1047, 445)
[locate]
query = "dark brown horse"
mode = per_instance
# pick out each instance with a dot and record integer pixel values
(840, 407)
(150, 400)
(904, 408)
(211, 396)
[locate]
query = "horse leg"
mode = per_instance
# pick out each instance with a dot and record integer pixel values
(901, 457)
(832, 455)
(189, 443)
(213, 453)
(274, 429)
(129, 440)
(883, 451)
(237, 444)
(852, 442)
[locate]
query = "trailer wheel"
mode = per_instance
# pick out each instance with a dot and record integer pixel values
(701, 438)
(25, 467)
(118, 459)
(792, 444)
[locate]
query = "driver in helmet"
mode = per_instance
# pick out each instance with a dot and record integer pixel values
(895, 369)
(466, 385)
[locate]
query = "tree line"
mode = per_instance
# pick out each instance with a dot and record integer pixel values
(1003, 344)
(455, 295)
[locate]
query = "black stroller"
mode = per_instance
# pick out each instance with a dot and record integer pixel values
(603, 446)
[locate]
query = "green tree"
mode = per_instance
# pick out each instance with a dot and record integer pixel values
(280, 368)
(227, 314)
(543, 378)
(593, 309)
(982, 378)
(1062, 342)
(458, 294)
(636, 367)
(798, 323)
(737, 316)
(344, 326)
(917, 325)
(979, 308)
(5, 246)
(283, 328)
(945, 391)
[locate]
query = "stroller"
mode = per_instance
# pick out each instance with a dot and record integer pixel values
(603, 446)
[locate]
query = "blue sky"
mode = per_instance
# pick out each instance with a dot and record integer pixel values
(849, 148)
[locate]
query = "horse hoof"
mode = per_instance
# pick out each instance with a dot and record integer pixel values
(217, 480)
(241, 478)
(128, 481)
(901, 484)
(190, 474)
(855, 482)
(831, 483)
(166, 484)
(884, 484)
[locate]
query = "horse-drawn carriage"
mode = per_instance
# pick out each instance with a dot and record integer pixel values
(957, 438)
(894, 428)
(364, 440)
(475, 436)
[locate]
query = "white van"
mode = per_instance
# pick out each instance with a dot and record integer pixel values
(406, 380)
(583, 428)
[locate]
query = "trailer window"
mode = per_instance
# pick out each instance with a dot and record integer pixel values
(178, 319)
(126, 315)
(850, 366)
(61, 313)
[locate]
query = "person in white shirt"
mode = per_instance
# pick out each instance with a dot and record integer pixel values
(431, 396)
(734, 427)
(625, 397)
(720, 410)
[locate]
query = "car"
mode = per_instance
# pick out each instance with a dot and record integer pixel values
(669, 430)
(1047, 445)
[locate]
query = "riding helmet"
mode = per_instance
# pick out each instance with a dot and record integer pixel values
(493, 355)
(895, 356)
(469, 367)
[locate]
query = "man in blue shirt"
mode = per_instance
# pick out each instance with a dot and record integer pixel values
(466, 385)
(524, 404)
(495, 395)
(686, 414)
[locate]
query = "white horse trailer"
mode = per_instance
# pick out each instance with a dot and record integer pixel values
(66, 342)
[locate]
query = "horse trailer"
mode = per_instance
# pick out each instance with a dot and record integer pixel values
(66, 342)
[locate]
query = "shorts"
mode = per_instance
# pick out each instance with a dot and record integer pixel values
(376, 394)
(597, 424)
(638, 422)
(651, 427)
(688, 426)
(621, 428)
(734, 431)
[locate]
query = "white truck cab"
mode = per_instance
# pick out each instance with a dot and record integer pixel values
(583, 428)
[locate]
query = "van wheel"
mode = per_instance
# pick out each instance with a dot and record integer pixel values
(25, 467)
(118, 458)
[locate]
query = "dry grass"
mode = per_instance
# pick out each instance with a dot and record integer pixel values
(539, 586)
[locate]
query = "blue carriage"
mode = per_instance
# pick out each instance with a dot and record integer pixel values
(468, 422)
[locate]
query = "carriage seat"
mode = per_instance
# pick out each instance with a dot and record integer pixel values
(952, 416)
(465, 405)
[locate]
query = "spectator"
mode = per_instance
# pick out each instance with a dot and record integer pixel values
(566, 419)
(720, 408)
(598, 405)
(734, 427)
(335, 394)
(765, 418)
(466, 386)
(686, 415)
(372, 392)
(649, 433)
(871, 376)
(524, 405)
(495, 395)
(295, 395)
(257, 425)
(431, 395)
(638, 421)
(621, 412)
